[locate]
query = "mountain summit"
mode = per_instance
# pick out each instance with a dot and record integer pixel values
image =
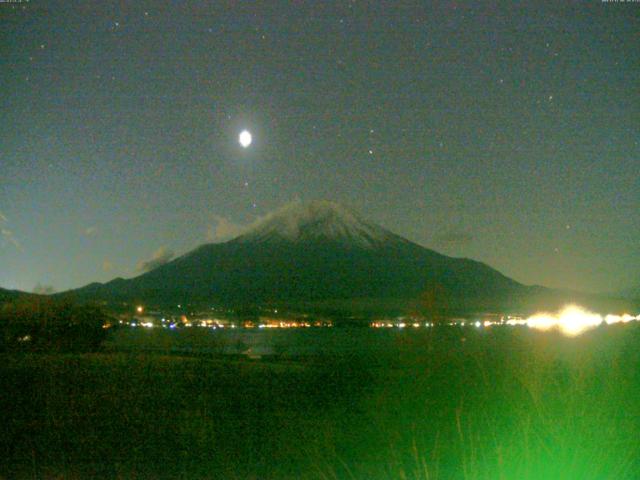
(317, 221)
(322, 255)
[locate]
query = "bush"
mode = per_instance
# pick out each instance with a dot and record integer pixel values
(44, 324)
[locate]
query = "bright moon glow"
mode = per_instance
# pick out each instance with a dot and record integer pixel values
(245, 138)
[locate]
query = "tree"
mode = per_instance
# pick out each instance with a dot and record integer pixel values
(43, 324)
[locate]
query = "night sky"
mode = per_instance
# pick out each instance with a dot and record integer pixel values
(507, 132)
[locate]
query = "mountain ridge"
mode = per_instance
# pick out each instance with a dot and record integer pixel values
(320, 253)
(11, 295)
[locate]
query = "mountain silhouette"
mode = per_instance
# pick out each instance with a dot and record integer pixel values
(322, 255)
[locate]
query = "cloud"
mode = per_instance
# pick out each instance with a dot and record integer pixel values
(107, 266)
(7, 236)
(453, 238)
(90, 231)
(159, 258)
(223, 230)
(43, 289)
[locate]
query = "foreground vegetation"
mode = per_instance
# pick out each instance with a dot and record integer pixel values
(41, 324)
(443, 404)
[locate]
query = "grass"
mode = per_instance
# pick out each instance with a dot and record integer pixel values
(444, 404)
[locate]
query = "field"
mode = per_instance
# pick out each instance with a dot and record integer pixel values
(446, 403)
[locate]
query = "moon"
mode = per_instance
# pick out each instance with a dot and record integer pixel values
(245, 138)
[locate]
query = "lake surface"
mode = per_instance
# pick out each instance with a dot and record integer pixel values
(336, 341)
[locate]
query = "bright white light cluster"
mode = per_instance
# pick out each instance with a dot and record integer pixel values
(572, 320)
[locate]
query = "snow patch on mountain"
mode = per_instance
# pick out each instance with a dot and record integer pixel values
(317, 220)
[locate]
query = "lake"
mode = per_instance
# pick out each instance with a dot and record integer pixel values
(293, 342)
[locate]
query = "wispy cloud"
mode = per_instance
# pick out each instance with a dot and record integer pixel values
(223, 230)
(160, 257)
(8, 237)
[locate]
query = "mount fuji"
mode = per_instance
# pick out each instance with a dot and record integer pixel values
(320, 255)
(317, 222)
